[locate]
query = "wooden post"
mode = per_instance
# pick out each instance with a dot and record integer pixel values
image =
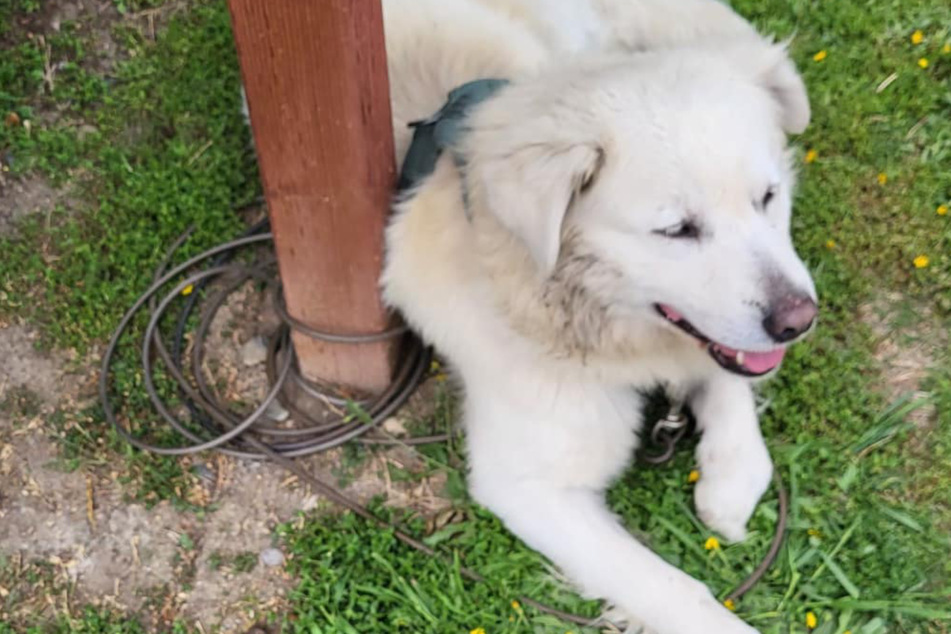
(318, 93)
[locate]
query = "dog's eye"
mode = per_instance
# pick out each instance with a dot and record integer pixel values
(686, 230)
(767, 198)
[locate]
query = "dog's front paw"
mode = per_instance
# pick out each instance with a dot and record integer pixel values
(731, 484)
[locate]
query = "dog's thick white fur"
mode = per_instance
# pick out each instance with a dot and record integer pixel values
(637, 161)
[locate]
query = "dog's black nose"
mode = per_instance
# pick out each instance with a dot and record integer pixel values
(790, 317)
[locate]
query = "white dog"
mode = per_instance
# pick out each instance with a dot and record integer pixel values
(614, 218)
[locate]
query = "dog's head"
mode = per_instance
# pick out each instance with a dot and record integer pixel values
(671, 169)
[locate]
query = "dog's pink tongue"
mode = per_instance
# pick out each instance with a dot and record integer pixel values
(755, 362)
(671, 314)
(760, 362)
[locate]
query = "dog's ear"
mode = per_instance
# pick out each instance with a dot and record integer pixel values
(783, 81)
(529, 189)
(770, 67)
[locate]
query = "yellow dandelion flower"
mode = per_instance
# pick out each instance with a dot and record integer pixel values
(917, 37)
(813, 532)
(921, 261)
(712, 544)
(821, 55)
(811, 156)
(942, 210)
(830, 244)
(730, 605)
(693, 476)
(188, 290)
(882, 178)
(477, 630)
(811, 620)
(946, 48)
(516, 606)
(923, 62)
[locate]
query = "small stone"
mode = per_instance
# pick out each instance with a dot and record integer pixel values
(204, 472)
(394, 426)
(254, 352)
(272, 557)
(276, 412)
(310, 503)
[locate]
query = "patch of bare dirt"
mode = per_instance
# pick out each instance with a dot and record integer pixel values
(222, 568)
(908, 341)
(94, 22)
(94, 19)
(21, 197)
(25, 366)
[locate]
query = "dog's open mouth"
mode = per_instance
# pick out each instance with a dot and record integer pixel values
(741, 362)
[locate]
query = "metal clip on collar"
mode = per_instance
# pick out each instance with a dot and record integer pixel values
(666, 433)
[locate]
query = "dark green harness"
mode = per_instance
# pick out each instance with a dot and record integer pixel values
(442, 131)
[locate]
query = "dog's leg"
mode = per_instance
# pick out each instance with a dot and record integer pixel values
(735, 467)
(541, 453)
(577, 532)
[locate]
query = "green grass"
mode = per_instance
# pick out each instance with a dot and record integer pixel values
(870, 516)
(168, 150)
(89, 621)
(12, 9)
